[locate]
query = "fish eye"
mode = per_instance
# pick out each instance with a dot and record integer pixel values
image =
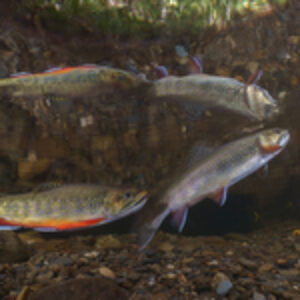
(277, 130)
(127, 195)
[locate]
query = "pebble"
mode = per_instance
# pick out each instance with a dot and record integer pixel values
(62, 260)
(12, 249)
(166, 247)
(258, 296)
(265, 268)
(250, 264)
(106, 272)
(108, 242)
(221, 284)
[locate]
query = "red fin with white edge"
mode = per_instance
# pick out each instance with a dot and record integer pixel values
(263, 171)
(220, 196)
(8, 225)
(179, 218)
(255, 77)
(195, 65)
(20, 74)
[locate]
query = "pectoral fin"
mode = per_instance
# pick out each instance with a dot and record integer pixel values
(161, 71)
(220, 195)
(179, 218)
(7, 225)
(196, 65)
(252, 79)
(263, 171)
(255, 77)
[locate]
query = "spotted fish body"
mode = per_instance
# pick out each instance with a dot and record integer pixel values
(68, 207)
(207, 91)
(211, 177)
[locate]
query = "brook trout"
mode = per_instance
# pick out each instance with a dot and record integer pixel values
(198, 91)
(68, 207)
(70, 81)
(210, 177)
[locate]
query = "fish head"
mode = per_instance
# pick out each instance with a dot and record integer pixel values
(261, 103)
(272, 140)
(128, 197)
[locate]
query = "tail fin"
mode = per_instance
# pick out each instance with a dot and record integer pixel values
(148, 221)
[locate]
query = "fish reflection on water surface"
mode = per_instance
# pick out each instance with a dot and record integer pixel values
(196, 92)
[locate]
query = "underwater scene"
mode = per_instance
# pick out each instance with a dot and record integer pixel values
(149, 149)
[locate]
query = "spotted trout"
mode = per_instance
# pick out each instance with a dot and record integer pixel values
(209, 177)
(70, 81)
(198, 91)
(68, 207)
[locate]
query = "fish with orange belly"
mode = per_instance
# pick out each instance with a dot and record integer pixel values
(209, 177)
(69, 207)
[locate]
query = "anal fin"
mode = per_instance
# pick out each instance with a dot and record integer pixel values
(220, 195)
(179, 218)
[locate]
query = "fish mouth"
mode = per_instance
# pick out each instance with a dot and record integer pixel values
(142, 196)
(284, 138)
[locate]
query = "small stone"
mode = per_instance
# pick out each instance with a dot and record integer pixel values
(213, 263)
(258, 296)
(221, 283)
(92, 254)
(45, 276)
(170, 267)
(250, 264)
(290, 274)
(106, 272)
(171, 276)
(62, 260)
(108, 242)
(12, 249)
(281, 262)
(265, 268)
(166, 247)
(187, 260)
(229, 253)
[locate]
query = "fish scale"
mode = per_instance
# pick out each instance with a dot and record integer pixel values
(69, 206)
